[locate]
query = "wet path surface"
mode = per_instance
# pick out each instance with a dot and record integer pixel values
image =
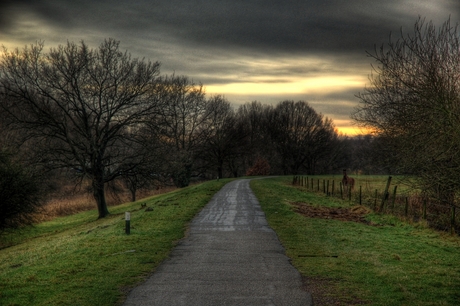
(230, 257)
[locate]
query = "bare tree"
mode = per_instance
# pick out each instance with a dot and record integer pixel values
(226, 135)
(301, 136)
(79, 106)
(179, 124)
(147, 150)
(413, 101)
(254, 116)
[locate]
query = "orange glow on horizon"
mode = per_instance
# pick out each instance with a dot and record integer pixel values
(352, 130)
(312, 88)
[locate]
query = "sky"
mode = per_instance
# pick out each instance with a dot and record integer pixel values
(246, 50)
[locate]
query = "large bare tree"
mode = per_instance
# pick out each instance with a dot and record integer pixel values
(179, 125)
(254, 116)
(301, 136)
(80, 106)
(226, 137)
(413, 101)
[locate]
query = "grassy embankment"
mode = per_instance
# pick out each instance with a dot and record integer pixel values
(387, 263)
(78, 260)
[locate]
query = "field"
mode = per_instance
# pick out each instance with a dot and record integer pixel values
(351, 256)
(398, 198)
(347, 254)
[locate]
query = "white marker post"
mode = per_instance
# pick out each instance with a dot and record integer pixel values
(128, 221)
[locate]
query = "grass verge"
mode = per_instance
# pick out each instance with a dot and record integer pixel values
(388, 263)
(77, 260)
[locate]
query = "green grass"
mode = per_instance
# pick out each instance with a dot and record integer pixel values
(369, 183)
(78, 260)
(393, 263)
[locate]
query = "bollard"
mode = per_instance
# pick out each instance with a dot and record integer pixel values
(127, 223)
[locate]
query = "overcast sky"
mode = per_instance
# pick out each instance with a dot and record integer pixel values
(264, 50)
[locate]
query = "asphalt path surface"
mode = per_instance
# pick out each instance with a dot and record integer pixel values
(229, 257)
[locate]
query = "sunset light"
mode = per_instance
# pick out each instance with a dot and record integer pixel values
(303, 53)
(322, 85)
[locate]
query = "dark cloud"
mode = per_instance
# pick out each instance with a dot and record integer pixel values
(321, 26)
(10, 9)
(232, 41)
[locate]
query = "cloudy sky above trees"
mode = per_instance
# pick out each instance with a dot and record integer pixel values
(265, 50)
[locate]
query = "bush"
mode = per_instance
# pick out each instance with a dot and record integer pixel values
(20, 194)
(260, 167)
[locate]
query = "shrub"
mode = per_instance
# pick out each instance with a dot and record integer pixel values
(260, 167)
(20, 194)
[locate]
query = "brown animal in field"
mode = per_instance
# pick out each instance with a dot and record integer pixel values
(347, 182)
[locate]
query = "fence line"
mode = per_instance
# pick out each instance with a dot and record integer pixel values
(416, 207)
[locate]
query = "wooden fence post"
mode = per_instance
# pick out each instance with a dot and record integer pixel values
(375, 199)
(385, 194)
(424, 208)
(406, 207)
(394, 198)
(360, 194)
(452, 221)
(333, 185)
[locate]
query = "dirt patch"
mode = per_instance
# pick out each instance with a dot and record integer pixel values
(353, 214)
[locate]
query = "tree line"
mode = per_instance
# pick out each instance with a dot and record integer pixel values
(101, 115)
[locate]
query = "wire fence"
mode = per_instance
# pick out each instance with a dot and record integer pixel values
(388, 199)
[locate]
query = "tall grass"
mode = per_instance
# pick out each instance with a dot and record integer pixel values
(70, 199)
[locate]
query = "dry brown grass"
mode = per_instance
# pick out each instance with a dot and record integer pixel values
(71, 199)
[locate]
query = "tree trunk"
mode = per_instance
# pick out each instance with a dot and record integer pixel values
(133, 193)
(220, 167)
(99, 196)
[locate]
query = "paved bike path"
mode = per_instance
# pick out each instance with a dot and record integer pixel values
(230, 257)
